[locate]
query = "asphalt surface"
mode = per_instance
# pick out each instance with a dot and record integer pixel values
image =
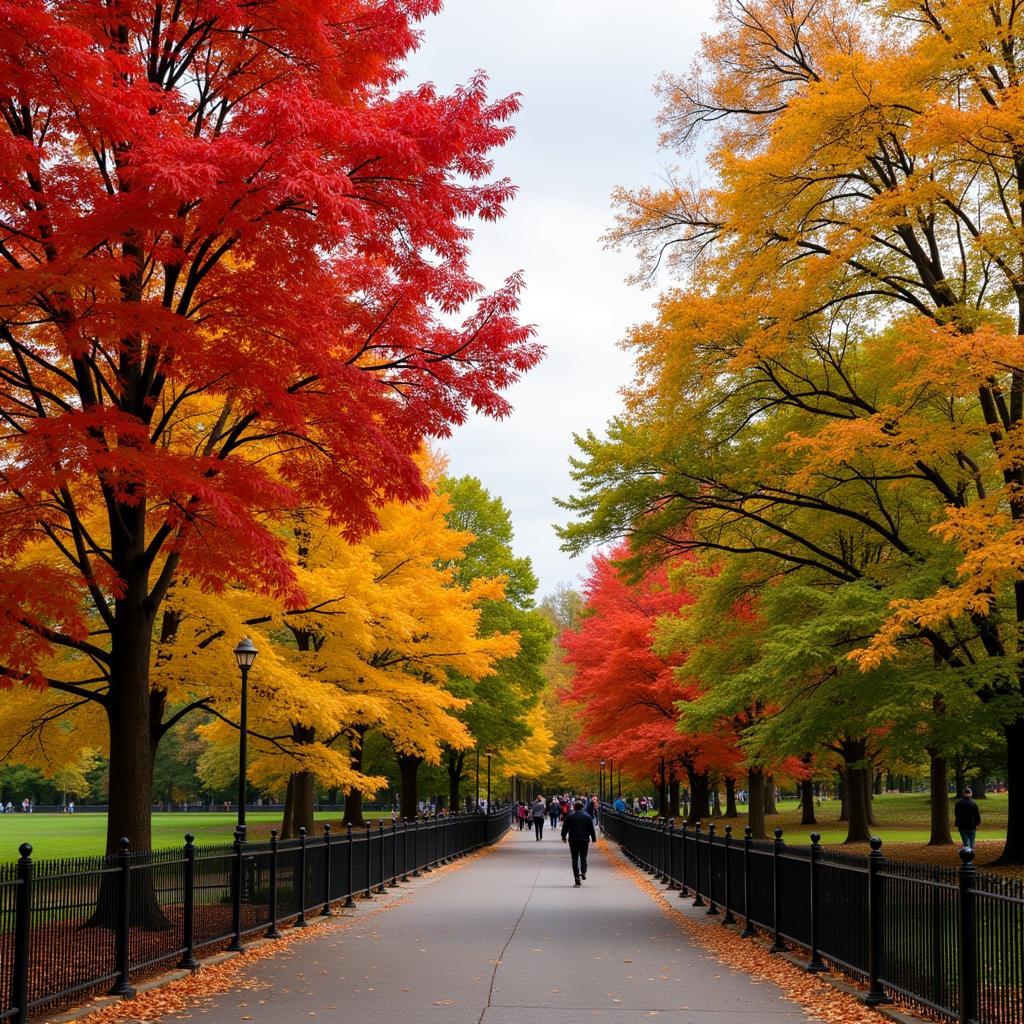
(505, 938)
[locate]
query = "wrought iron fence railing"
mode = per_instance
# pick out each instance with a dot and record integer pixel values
(950, 941)
(71, 929)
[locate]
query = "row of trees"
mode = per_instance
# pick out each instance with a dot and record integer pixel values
(822, 439)
(234, 306)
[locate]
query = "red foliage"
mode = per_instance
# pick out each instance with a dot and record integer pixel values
(237, 205)
(626, 694)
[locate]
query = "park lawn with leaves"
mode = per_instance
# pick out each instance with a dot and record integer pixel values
(83, 835)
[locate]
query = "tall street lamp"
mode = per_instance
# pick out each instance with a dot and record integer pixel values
(600, 785)
(488, 755)
(476, 792)
(245, 655)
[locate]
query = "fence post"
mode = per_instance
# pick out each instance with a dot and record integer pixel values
(712, 910)
(416, 847)
(22, 932)
(236, 894)
(301, 922)
(380, 835)
(777, 946)
(671, 854)
(124, 922)
(188, 910)
(876, 994)
(728, 917)
(272, 932)
(682, 859)
(815, 965)
(394, 854)
(350, 900)
(748, 842)
(405, 849)
(369, 894)
(327, 912)
(968, 940)
(698, 900)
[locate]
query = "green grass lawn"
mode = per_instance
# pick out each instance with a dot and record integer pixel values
(899, 817)
(83, 835)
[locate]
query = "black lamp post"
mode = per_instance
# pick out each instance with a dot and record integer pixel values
(488, 782)
(245, 655)
(600, 785)
(610, 781)
(476, 792)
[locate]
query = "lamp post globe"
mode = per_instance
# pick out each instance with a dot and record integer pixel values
(245, 655)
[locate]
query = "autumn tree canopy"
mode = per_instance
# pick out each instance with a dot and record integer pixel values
(235, 285)
(832, 390)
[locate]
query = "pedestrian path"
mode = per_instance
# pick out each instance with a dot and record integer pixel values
(504, 939)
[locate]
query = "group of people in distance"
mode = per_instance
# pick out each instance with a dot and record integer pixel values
(577, 815)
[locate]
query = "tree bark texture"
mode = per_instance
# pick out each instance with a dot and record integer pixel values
(755, 803)
(939, 801)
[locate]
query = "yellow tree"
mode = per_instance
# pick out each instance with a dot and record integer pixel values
(845, 352)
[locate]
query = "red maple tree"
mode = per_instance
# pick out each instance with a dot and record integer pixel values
(234, 249)
(627, 694)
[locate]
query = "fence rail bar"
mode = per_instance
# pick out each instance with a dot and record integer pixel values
(950, 942)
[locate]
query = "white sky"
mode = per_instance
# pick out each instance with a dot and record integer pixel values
(586, 70)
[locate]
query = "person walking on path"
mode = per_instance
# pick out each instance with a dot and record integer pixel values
(578, 830)
(553, 812)
(539, 810)
(967, 818)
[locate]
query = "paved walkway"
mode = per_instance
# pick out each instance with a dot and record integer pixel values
(504, 939)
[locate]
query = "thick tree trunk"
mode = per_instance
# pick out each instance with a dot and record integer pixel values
(877, 790)
(867, 780)
(354, 797)
(303, 799)
(288, 817)
(673, 797)
(858, 785)
(408, 767)
(807, 803)
(1013, 850)
(769, 795)
(699, 810)
(939, 800)
(662, 795)
(716, 801)
(730, 799)
(978, 784)
(959, 775)
(844, 796)
(755, 803)
(456, 764)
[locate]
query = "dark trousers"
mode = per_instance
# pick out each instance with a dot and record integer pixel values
(578, 849)
(538, 826)
(554, 819)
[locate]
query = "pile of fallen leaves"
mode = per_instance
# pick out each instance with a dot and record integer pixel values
(809, 991)
(986, 852)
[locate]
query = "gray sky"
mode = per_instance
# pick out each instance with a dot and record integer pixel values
(585, 69)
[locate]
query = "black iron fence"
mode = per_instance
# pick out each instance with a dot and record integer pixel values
(947, 940)
(71, 929)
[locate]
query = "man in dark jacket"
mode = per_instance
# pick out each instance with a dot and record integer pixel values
(578, 830)
(967, 818)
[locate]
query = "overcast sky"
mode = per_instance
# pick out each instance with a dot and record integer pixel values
(585, 69)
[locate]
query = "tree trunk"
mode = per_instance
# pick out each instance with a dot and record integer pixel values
(698, 797)
(844, 796)
(858, 784)
(1013, 850)
(662, 794)
(807, 803)
(456, 764)
(939, 800)
(716, 801)
(673, 797)
(960, 775)
(408, 767)
(303, 798)
(730, 798)
(978, 784)
(769, 795)
(354, 797)
(288, 818)
(877, 791)
(867, 779)
(755, 803)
